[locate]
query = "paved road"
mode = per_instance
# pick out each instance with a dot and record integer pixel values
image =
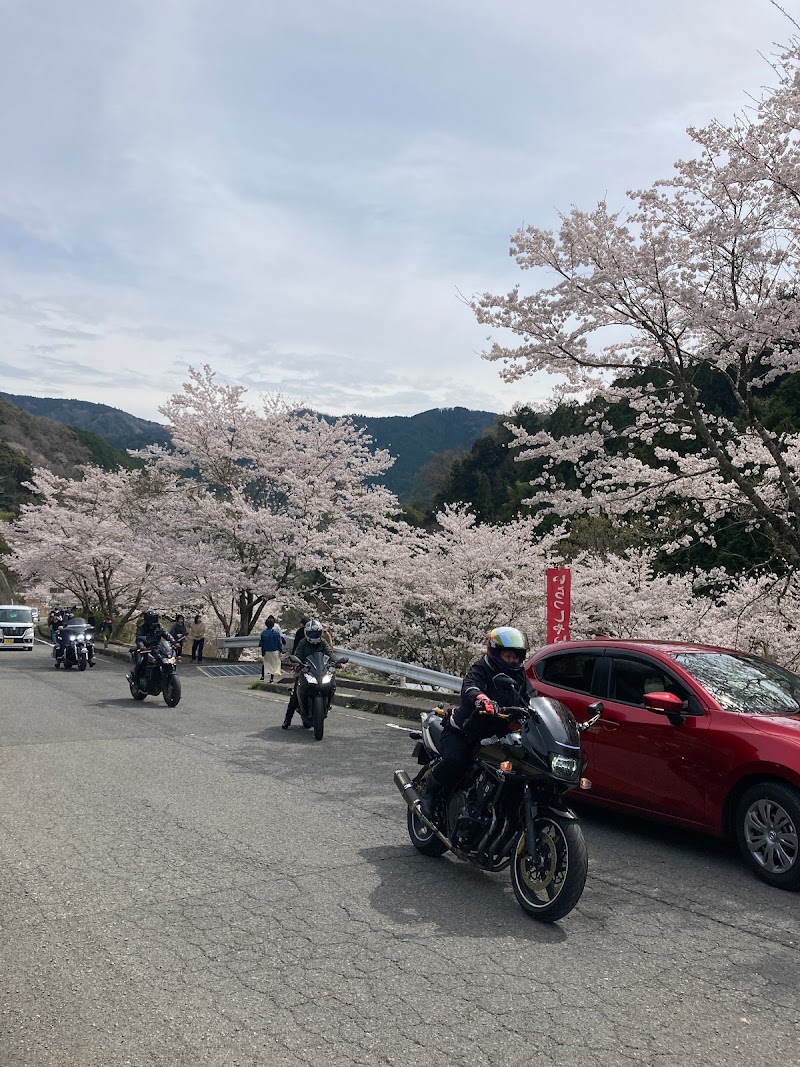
(195, 886)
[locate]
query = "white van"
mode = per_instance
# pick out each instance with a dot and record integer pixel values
(16, 627)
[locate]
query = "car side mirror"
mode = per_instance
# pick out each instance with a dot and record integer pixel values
(665, 704)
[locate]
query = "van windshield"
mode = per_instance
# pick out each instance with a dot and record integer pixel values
(16, 615)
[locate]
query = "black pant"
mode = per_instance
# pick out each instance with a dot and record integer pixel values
(456, 748)
(197, 648)
(294, 704)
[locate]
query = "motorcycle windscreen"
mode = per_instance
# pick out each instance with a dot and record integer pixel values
(556, 727)
(318, 664)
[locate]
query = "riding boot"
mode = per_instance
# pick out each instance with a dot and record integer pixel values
(287, 722)
(430, 798)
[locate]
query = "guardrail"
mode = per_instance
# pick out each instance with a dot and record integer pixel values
(380, 664)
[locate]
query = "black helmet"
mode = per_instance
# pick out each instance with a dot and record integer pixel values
(151, 618)
(313, 631)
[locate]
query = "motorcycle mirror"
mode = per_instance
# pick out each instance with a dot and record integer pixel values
(293, 659)
(596, 711)
(502, 681)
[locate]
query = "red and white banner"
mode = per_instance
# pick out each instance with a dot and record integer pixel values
(559, 590)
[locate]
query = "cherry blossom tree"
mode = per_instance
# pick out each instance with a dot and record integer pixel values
(96, 537)
(695, 283)
(431, 597)
(266, 502)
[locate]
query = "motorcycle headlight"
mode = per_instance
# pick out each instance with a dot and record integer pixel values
(326, 678)
(564, 766)
(310, 678)
(169, 659)
(71, 637)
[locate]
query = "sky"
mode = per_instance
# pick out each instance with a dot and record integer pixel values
(303, 194)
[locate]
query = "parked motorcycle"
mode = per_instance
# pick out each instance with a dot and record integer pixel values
(160, 667)
(316, 685)
(509, 808)
(74, 645)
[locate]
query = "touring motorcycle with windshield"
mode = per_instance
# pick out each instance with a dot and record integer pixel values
(160, 662)
(509, 809)
(74, 645)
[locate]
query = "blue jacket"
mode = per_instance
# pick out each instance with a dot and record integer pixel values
(271, 639)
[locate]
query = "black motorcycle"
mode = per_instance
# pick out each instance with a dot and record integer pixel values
(74, 645)
(316, 685)
(160, 664)
(509, 808)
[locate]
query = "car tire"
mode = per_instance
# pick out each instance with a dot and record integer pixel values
(768, 833)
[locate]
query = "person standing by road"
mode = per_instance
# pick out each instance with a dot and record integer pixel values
(179, 632)
(299, 633)
(271, 643)
(197, 632)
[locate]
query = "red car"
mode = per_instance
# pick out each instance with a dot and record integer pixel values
(696, 735)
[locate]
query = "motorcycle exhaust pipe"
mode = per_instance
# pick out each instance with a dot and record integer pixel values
(412, 798)
(406, 787)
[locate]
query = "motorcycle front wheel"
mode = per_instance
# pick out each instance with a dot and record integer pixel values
(549, 886)
(81, 663)
(318, 717)
(172, 691)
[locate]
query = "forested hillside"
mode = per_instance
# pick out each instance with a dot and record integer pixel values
(118, 428)
(496, 484)
(28, 441)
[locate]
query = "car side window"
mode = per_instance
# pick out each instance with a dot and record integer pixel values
(632, 679)
(570, 670)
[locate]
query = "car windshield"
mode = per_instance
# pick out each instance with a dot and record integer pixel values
(17, 615)
(744, 684)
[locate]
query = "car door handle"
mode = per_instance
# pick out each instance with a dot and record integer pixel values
(608, 724)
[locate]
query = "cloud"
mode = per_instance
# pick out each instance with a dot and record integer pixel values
(298, 194)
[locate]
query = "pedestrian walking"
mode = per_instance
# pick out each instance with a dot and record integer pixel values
(271, 642)
(197, 632)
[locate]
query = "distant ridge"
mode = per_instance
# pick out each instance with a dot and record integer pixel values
(413, 439)
(117, 427)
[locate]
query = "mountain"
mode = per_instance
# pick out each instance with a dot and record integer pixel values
(28, 441)
(117, 427)
(413, 439)
(416, 439)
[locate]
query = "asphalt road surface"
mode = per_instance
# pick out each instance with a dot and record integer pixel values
(195, 886)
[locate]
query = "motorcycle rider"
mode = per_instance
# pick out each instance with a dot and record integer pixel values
(148, 634)
(476, 716)
(312, 641)
(61, 637)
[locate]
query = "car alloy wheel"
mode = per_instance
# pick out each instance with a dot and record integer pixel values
(767, 825)
(771, 835)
